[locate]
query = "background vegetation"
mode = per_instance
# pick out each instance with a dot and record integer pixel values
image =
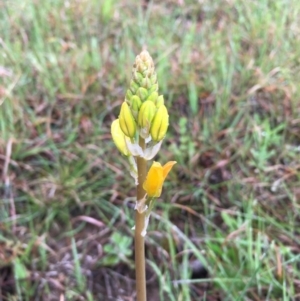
(227, 226)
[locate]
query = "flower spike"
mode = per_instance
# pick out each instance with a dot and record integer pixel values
(138, 134)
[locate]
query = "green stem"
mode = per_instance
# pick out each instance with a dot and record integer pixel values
(140, 271)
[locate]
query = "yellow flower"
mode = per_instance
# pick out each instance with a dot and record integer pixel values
(156, 177)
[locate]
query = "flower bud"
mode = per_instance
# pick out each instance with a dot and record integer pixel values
(146, 114)
(119, 138)
(160, 124)
(153, 97)
(160, 101)
(138, 77)
(127, 122)
(133, 86)
(135, 106)
(140, 66)
(128, 96)
(153, 88)
(146, 58)
(153, 78)
(142, 93)
(146, 83)
(144, 64)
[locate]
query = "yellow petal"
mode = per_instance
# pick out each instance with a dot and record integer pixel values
(167, 168)
(154, 180)
(156, 177)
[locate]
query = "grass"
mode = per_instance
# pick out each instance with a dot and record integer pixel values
(229, 72)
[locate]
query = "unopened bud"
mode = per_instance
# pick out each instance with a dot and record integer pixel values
(160, 124)
(153, 97)
(133, 86)
(127, 122)
(128, 96)
(135, 105)
(146, 114)
(154, 88)
(138, 77)
(160, 101)
(146, 83)
(153, 78)
(144, 64)
(119, 138)
(142, 93)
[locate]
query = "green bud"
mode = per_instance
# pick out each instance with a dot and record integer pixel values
(160, 101)
(146, 114)
(146, 83)
(128, 96)
(133, 87)
(138, 77)
(119, 137)
(153, 78)
(142, 93)
(149, 72)
(154, 88)
(135, 105)
(153, 97)
(160, 124)
(127, 122)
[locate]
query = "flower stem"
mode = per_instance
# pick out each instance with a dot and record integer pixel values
(140, 271)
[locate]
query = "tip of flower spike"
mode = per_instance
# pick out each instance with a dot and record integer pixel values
(144, 51)
(144, 62)
(144, 55)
